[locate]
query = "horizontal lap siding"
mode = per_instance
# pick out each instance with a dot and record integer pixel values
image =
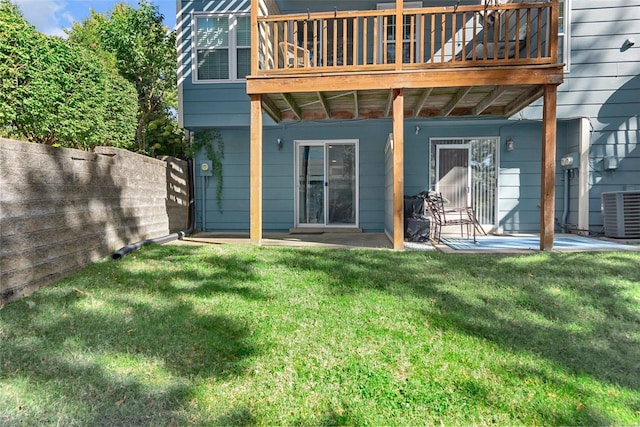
(604, 85)
(519, 172)
(207, 104)
(278, 176)
(233, 215)
(519, 177)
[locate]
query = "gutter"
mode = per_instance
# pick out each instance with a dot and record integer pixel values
(169, 237)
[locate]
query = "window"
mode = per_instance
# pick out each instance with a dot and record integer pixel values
(564, 40)
(222, 47)
(391, 30)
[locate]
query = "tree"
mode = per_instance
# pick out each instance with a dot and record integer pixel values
(143, 51)
(58, 94)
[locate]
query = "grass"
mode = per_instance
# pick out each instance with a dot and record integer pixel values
(241, 335)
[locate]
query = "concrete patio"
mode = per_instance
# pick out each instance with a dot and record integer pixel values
(319, 240)
(451, 243)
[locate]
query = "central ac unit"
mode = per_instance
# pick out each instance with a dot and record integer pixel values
(621, 212)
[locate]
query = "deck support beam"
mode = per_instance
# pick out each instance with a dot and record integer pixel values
(387, 109)
(423, 100)
(522, 101)
(455, 101)
(325, 104)
(271, 109)
(255, 197)
(398, 169)
(548, 175)
(292, 104)
(488, 100)
(356, 107)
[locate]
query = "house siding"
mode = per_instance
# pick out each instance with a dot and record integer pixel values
(603, 85)
(208, 104)
(519, 177)
(278, 175)
(299, 6)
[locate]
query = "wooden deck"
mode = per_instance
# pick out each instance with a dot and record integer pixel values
(468, 61)
(474, 91)
(340, 65)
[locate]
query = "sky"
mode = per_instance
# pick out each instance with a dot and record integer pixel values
(51, 17)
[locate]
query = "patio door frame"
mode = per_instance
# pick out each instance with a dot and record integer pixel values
(436, 143)
(326, 143)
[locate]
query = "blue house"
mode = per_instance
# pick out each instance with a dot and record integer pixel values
(331, 112)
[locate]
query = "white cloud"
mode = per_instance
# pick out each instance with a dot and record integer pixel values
(48, 16)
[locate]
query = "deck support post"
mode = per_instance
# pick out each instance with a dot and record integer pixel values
(255, 204)
(548, 174)
(398, 169)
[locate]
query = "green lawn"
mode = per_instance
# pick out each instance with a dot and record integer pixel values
(182, 335)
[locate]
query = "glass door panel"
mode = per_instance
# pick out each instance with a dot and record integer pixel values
(453, 177)
(311, 183)
(341, 184)
(327, 183)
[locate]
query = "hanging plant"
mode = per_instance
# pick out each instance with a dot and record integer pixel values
(211, 142)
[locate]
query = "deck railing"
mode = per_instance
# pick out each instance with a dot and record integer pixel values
(508, 34)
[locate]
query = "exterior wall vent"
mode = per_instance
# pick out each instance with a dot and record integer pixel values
(621, 212)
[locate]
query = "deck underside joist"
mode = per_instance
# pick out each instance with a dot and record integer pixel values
(484, 93)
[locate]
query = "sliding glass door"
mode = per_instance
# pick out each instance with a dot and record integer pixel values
(326, 183)
(465, 171)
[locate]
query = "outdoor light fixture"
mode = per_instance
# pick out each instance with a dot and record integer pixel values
(509, 144)
(417, 130)
(628, 43)
(279, 144)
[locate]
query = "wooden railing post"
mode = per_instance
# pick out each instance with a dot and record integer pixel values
(255, 37)
(399, 33)
(439, 38)
(553, 30)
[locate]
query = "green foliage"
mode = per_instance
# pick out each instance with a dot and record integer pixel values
(210, 140)
(57, 93)
(143, 50)
(16, 43)
(165, 137)
(87, 34)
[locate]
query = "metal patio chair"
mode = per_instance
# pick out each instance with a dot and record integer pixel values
(444, 216)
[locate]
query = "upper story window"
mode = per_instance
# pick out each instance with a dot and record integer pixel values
(391, 34)
(564, 27)
(222, 47)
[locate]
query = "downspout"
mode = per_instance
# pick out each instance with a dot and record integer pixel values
(191, 226)
(204, 203)
(565, 204)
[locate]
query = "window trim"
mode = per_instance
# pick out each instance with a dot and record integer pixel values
(232, 47)
(565, 36)
(382, 33)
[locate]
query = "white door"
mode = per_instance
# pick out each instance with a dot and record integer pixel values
(453, 177)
